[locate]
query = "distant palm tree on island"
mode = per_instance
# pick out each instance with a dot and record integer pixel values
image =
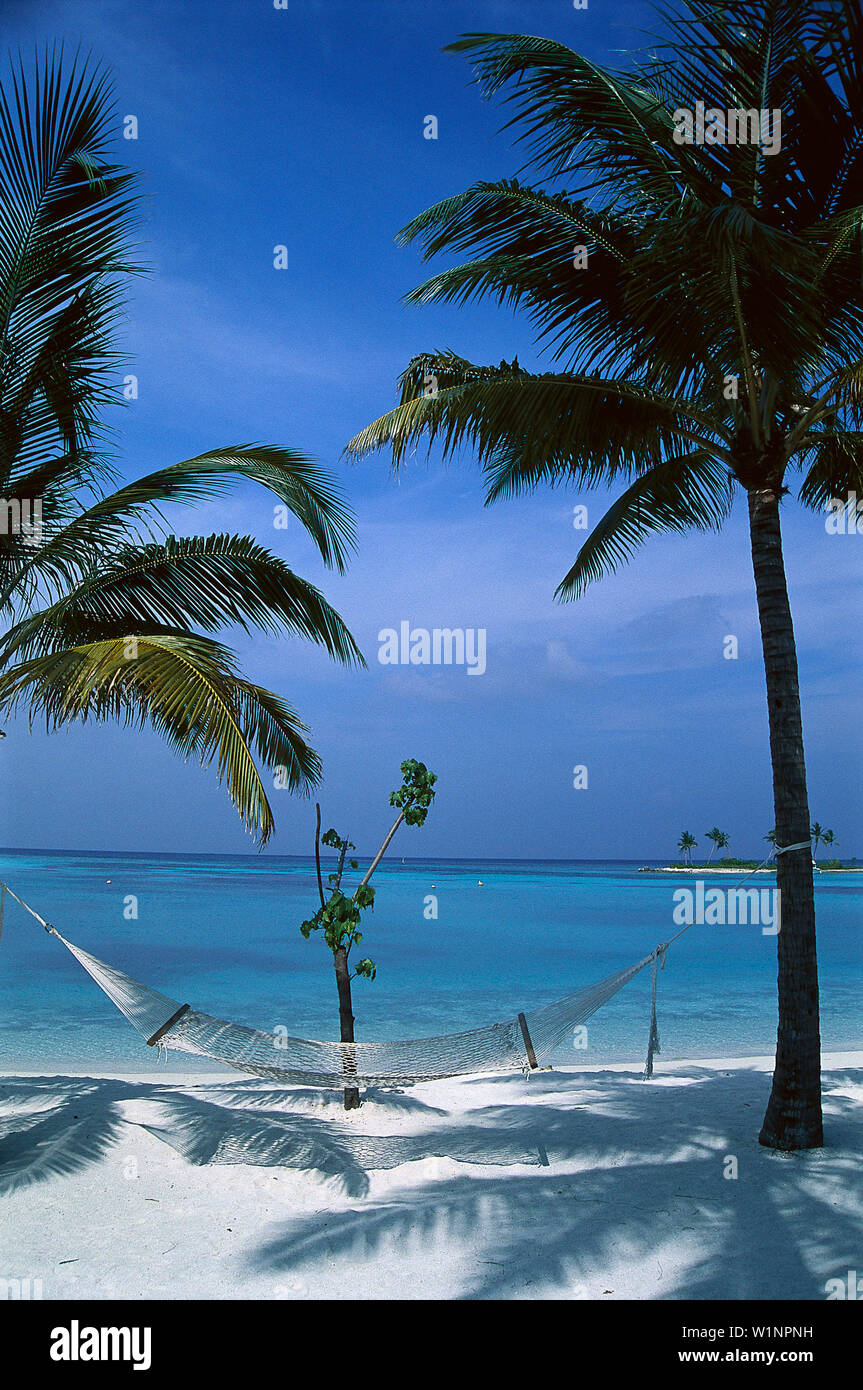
(704, 305)
(102, 604)
(686, 844)
(820, 836)
(719, 838)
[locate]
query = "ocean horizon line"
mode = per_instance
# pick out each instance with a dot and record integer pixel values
(395, 859)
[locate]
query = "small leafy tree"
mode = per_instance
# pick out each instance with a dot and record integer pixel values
(340, 916)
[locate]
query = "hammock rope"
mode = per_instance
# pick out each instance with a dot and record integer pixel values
(658, 963)
(525, 1042)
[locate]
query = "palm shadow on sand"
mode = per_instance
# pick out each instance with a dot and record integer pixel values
(649, 1163)
(59, 1125)
(769, 1233)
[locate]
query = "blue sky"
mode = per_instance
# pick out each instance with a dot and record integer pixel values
(260, 127)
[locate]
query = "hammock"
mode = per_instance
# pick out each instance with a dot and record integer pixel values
(524, 1042)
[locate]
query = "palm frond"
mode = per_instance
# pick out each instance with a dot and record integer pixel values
(206, 582)
(836, 469)
(118, 595)
(187, 688)
(709, 263)
(65, 223)
(569, 110)
(692, 216)
(690, 490)
(303, 487)
(527, 428)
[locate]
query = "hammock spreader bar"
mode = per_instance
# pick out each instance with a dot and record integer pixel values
(528, 1045)
(160, 1032)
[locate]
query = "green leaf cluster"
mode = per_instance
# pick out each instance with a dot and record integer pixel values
(415, 796)
(340, 919)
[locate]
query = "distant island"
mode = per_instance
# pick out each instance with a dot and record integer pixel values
(729, 865)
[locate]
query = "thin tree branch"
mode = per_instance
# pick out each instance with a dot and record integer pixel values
(381, 852)
(340, 869)
(318, 852)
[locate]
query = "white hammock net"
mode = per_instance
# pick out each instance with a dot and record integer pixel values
(524, 1042)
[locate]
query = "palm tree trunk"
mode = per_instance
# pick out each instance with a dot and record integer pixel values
(793, 1118)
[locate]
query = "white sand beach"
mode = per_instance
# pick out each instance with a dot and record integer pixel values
(572, 1184)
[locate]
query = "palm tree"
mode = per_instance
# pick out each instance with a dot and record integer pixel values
(770, 837)
(817, 834)
(101, 603)
(706, 337)
(719, 838)
(686, 844)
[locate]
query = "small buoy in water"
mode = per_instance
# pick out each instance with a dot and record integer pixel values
(479, 883)
(107, 880)
(434, 885)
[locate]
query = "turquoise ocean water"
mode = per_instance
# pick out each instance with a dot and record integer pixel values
(222, 933)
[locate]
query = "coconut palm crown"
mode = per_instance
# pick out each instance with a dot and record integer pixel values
(719, 838)
(109, 616)
(686, 844)
(702, 309)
